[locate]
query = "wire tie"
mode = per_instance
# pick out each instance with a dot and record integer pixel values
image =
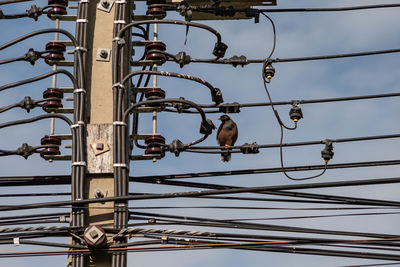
(16, 241)
(80, 48)
(118, 85)
(119, 22)
(84, 1)
(120, 165)
(79, 163)
(120, 2)
(79, 90)
(120, 123)
(82, 21)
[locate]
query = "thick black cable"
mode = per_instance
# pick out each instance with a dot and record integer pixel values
(5, 2)
(328, 9)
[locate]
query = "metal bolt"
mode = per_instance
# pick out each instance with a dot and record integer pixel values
(103, 54)
(100, 146)
(93, 234)
(98, 194)
(105, 4)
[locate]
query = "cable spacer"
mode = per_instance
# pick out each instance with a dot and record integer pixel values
(79, 163)
(79, 90)
(16, 241)
(120, 123)
(80, 48)
(82, 21)
(120, 165)
(119, 22)
(118, 85)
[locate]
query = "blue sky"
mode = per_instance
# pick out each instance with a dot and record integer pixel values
(298, 34)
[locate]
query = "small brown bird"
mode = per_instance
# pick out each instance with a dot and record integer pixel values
(226, 136)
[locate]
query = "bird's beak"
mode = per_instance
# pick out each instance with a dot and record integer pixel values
(220, 118)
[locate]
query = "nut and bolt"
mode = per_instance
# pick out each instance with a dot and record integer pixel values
(105, 4)
(103, 54)
(99, 146)
(98, 194)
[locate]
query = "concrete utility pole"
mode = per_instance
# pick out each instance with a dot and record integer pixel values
(99, 179)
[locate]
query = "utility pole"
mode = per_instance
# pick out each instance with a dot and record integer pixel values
(101, 25)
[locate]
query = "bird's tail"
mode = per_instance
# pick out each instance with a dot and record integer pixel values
(225, 156)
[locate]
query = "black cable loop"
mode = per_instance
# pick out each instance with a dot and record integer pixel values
(215, 93)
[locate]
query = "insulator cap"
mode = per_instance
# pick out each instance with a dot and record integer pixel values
(269, 71)
(156, 11)
(295, 113)
(220, 49)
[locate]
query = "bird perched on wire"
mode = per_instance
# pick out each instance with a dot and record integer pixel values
(226, 136)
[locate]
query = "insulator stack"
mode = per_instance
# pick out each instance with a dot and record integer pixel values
(59, 9)
(153, 51)
(154, 94)
(157, 11)
(53, 103)
(56, 52)
(154, 145)
(50, 151)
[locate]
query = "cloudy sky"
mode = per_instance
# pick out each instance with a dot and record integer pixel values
(298, 34)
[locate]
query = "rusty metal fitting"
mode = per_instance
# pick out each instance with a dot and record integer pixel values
(94, 236)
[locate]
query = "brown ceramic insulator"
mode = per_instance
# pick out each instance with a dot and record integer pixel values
(56, 51)
(57, 10)
(52, 104)
(153, 145)
(55, 46)
(154, 93)
(155, 138)
(50, 140)
(152, 51)
(156, 11)
(52, 92)
(50, 151)
(154, 150)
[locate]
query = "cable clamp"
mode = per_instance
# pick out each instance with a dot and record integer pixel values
(78, 124)
(120, 2)
(120, 165)
(80, 48)
(119, 40)
(120, 123)
(16, 241)
(79, 163)
(118, 85)
(79, 90)
(84, 1)
(82, 21)
(119, 22)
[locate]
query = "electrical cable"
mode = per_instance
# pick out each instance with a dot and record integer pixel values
(350, 8)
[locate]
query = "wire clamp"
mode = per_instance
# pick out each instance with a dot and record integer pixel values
(82, 21)
(79, 163)
(120, 165)
(84, 1)
(80, 48)
(120, 2)
(120, 85)
(78, 124)
(79, 90)
(119, 40)
(120, 123)
(16, 241)
(119, 22)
